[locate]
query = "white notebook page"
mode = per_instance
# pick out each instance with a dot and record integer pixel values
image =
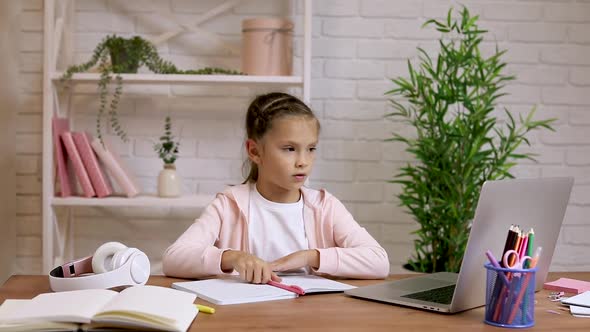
(73, 306)
(234, 290)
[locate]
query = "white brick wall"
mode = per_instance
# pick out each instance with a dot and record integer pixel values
(357, 46)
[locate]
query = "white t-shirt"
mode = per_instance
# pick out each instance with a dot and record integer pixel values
(275, 229)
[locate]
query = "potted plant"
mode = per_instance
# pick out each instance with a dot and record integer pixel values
(117, 55)
(458, 143)
(167, 150)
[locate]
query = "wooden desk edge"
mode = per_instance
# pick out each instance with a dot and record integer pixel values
(333, 311)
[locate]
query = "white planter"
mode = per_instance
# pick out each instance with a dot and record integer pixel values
(168, 182)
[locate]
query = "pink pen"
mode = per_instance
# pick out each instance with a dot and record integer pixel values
(291, 288)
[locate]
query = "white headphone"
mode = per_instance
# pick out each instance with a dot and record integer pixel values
(113, 265)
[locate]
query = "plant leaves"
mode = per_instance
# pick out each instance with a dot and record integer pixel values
(449, 101)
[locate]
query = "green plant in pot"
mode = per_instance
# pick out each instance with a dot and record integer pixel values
(449, 101)
(167, 147)
(117, 55)
(167, 150)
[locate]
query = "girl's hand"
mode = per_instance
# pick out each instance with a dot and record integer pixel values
(297, 260)
(251, 268)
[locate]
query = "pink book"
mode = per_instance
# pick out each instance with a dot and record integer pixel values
(95, 172)
(65, 181)
(116, 167)
(79, 169)
(568, 285)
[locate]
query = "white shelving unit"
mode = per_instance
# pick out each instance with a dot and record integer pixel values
(191, 79)
(58, 232)
(186, 201)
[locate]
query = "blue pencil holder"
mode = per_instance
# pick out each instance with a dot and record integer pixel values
(510, 297)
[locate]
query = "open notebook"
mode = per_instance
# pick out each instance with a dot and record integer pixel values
(138, 307)
(234, 290)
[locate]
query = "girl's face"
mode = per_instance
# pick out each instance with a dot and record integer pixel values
(285, 156)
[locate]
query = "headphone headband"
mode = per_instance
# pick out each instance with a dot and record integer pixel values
(73, 268)
(135, 271)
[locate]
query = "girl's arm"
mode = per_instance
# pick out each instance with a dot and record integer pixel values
(194, 255)
(356, 253)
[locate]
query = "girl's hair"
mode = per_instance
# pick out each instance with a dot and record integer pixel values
(261, 113)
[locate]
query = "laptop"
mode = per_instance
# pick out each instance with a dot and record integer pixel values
(529, 203)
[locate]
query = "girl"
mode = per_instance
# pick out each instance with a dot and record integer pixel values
(272, 223)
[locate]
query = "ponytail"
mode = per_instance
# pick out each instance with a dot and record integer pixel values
(253, 174)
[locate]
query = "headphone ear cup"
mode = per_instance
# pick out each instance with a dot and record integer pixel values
(140, 264)
(103, 256)
(121, 257)
(140, 267)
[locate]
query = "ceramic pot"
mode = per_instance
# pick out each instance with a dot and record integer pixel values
(122, 63)
(168, 182)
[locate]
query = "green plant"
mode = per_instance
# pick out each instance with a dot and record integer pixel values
(458, 143)
(126, 56)
(167, 148)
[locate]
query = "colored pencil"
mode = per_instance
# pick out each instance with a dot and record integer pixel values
(524, 287)
(530, 244)
(496, 300)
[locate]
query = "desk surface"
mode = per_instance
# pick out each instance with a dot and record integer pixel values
(334, 311)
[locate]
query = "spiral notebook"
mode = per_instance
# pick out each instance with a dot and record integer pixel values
(234, 290)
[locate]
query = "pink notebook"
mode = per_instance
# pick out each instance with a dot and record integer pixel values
(116, 167)
(79, 169)
(95, 172)
(65, 181)
(568, 285)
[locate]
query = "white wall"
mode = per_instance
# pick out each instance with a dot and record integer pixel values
(357, 46)
(9, 11)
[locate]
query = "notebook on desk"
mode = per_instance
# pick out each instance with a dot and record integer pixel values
(233, 290)
(581, 300)
(568, 285)
(536, 203)
(139, 307)
(579, 304)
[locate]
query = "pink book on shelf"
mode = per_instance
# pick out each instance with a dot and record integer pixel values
(79, 169)
(116, 167)
(66, 185)
(96, 174)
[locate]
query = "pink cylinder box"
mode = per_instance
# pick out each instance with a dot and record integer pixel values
(267, 46)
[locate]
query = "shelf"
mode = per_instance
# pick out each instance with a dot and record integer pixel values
(189, 79)
(192, 201)
(59, 44)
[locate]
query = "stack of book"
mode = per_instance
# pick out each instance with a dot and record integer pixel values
(91, 161)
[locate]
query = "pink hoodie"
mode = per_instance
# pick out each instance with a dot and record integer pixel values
(346, 249)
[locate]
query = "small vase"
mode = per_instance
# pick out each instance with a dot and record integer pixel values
(168, 182)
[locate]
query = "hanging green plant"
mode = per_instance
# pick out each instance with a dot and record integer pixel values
(127, 56)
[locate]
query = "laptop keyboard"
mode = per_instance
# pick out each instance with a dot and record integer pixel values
(442, 295)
